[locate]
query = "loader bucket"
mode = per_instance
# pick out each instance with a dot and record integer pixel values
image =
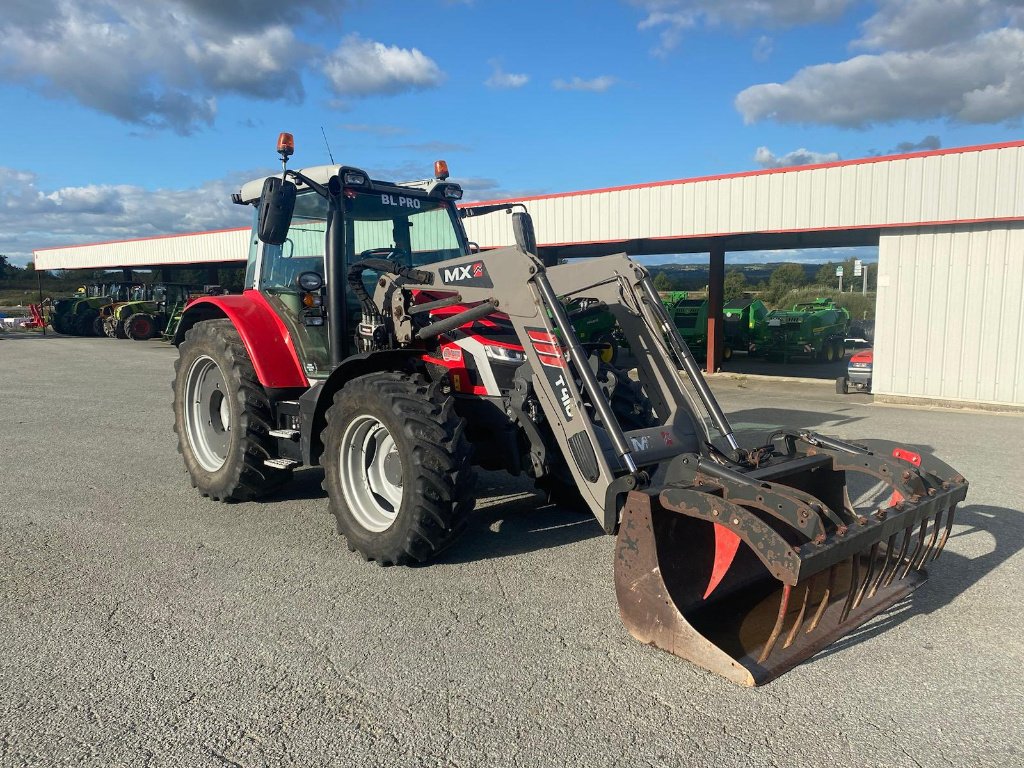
(748, 580)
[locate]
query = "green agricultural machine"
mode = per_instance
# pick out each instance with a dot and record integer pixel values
(690, 316)
(76, 315)
(744, 318)
(815, 329)
(176, 310)
(595, 324)
(147, 316)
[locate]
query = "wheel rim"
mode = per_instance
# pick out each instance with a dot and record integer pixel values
(207, 413)
(371, 473)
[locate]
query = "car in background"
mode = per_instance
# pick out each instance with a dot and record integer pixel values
(858, 372)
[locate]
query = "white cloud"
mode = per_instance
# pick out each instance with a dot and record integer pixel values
(163, 64)
(930, 142)
(763, 48)
(935, 59)
(768, 159)
(501, 79)
(979, 81)
(908, 25)
(673, 17)
(361, 67)
(594, 85)
(32, 217)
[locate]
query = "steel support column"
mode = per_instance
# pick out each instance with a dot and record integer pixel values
(716, 323)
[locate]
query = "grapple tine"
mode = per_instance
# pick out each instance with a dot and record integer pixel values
(890, 546)
(852, 591)
(829, 589)
(917, 548)
(872, 557)
(945, 533)
(907, 533)
(779, 621)
(931, 542)
(795, 629)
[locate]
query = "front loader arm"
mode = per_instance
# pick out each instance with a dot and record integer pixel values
(605, 461)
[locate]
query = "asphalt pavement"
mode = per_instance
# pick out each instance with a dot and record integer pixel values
(141, 624)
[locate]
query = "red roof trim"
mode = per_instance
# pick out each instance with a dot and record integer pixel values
(912, 225)
(143, 239)
(763, 172)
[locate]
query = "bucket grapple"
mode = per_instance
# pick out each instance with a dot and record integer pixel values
(747, 575)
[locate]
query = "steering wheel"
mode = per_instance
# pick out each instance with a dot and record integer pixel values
(386, 253)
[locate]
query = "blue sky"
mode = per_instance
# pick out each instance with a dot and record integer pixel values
(127, 118)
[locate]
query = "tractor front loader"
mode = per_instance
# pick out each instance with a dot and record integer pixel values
(374, 341)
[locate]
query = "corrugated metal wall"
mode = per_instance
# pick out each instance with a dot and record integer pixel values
(198, 248)
(950, 313)
(956, 186)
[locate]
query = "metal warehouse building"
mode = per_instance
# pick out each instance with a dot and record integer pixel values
(949, 226)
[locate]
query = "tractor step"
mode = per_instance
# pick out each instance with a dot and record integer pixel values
(285, 434)
(281, 463)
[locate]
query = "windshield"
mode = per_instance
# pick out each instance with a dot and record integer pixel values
(422, 229)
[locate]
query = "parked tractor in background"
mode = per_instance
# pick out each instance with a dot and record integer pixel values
(373, 341)
(594, 324)
(744, 320)
(148, 315)
(108, 323)
(176, 310)
(690, 316)
(814, 329)
(76, 315)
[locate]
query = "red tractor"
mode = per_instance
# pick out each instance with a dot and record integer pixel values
(374, 340)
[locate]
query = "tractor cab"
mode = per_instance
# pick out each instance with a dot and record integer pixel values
(299, 260)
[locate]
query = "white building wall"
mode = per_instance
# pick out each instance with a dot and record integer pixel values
(950, 313)
(972, 184)
(169, 250)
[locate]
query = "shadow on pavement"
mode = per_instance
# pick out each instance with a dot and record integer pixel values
(950, 575)
(525, 523)
(804, 369)
(754, 425)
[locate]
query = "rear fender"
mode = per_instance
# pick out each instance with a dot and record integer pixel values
(264, 334)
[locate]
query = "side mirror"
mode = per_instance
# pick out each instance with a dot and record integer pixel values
(277, 204)
(522, 227)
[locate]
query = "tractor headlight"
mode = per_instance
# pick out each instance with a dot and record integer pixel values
(504, 354)
(354, 179)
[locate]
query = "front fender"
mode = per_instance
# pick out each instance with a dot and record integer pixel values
(264, 334)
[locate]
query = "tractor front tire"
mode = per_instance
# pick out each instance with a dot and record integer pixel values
(397, 467)
(140, 327)
(119, 332)
(222, 416)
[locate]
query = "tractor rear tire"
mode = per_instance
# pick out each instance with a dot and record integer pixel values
(83, 323)
(97, 326)
(397, 468)
(140, 327)
(214, 377)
